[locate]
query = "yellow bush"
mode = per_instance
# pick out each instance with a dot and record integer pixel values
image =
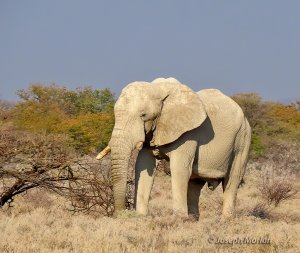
(38, 117)
(84, 114)
(286, 114)
(89, 132)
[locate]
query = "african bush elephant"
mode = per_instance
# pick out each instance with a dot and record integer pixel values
(205, 135)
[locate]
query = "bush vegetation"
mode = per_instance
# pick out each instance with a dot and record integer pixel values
(32, 161)
(271, 122)
(84, 114)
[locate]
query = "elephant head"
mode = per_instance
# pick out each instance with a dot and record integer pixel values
(157, 113)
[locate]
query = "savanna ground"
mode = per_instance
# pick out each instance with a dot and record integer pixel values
(41, 222)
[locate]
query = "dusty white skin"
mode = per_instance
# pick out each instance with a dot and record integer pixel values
(205, 135)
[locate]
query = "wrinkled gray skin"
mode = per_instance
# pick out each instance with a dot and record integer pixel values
(205, 135)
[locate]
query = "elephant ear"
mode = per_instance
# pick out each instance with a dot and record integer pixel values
(182, 111)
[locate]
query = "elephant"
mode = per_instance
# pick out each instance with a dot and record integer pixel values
(205, 135)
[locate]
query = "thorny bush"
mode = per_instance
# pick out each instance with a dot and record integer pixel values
(30, 161)
(278, 178)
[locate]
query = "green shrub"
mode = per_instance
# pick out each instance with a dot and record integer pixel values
(257, 146)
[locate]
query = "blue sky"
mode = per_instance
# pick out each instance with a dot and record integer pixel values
(235, 46)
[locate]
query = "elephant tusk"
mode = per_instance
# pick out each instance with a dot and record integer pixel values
(103, 153)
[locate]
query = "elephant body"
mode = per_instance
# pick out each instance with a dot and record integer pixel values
(205, 136)
(223, 137)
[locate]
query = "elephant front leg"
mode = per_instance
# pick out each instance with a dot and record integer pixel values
(181, 161)
(144, 176)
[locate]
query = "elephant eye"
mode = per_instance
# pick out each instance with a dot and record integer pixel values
(143, 115)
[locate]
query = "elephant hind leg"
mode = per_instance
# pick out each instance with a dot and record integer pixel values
(233, 179)
(194, 189)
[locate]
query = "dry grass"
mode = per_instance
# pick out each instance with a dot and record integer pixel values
(39, 222)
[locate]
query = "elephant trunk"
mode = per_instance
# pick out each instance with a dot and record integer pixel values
(127, 132)
(120, 155)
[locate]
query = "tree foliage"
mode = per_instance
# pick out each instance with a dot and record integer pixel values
(5, 111)
(253, 106)
(85, 114)
(36, 116)
(270, 122)
(71, 102)
(89, 132)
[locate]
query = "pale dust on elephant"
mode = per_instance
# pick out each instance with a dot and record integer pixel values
(204, 134)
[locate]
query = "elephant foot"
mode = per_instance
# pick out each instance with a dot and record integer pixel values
(226, 217)
(193, 213)
(180, 213)
(142, 211)
(227, 214)
(194, 216)
(185, 216)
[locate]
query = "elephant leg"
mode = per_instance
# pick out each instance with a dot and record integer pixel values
(232, 181)
(230, 187)
(181, 161)
(144, 176)
(229, 200)
(194, 189)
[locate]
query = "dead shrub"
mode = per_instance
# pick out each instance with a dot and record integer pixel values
(91, 192)
(260, 210)
(277, 185)
(42, 161)
(28, 161)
